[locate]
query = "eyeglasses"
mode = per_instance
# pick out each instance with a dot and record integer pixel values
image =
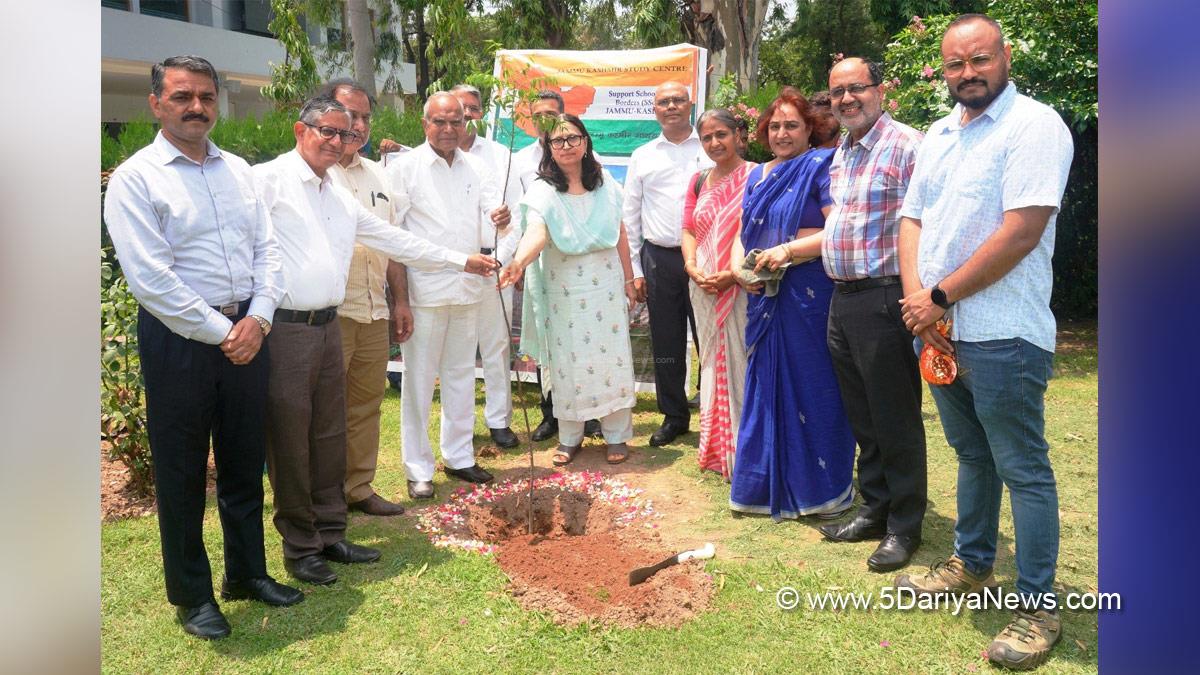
(442, 123)
(346, 135)
(854, 89)
(979, 63)
(571, 141)
(677, 100)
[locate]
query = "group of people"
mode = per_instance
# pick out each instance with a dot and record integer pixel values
(805, 279)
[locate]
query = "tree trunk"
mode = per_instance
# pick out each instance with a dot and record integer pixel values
(423, 78)
(740, 24)
(363, 40)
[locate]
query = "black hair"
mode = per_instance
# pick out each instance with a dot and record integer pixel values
(968, 18)
(194, 64)
(331, 88)
(549, 171)
(551, 95)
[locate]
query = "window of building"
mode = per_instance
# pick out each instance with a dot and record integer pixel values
(167, 9)
(115, 4)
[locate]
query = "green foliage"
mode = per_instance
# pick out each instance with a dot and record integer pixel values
(122, 394)
(800, 53)
(1054, 60)
(292, 80)
(448, 52)
(747, 107)
(257, 140)
(400, 127)
(655, 23)
(110, 151)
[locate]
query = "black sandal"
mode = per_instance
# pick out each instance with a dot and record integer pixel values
(567, 451)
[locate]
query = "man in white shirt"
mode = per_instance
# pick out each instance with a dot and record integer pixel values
(655, 183)
(443, 194)
(196, 248)
(976, 240)
(374, 283)
(317, 223)
(494, 345)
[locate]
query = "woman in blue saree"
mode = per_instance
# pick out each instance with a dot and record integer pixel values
(795, 451)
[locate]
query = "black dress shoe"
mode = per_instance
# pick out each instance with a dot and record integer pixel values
(420, 489)
(667, 433)
(310, 568)
(263, 589)
(346, 553)
(471, 474)
(505, 438)
(547, 429)
(376, 506)
(206, 621)
(858, 529)
(893, 553)
(591, 429)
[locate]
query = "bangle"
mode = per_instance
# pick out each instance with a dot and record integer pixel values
(629, 282)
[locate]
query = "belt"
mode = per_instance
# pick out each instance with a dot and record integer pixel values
(312, 317)
(665, 248)
(233, 309)
(865, 284)
(486, 251)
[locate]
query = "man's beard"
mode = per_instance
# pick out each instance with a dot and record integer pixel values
(980, 101)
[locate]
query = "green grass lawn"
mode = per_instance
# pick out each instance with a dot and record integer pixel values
(423, 609)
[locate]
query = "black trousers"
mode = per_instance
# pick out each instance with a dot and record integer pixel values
(670, 309)
(194, 393)
(876, 369)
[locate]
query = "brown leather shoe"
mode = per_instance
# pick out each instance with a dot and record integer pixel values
(1025, 643)
(376, 506)
(950, 576)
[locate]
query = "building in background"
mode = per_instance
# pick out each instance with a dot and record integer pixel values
(232, 34)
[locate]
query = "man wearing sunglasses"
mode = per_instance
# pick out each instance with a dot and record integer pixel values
(317, 223)
(872, 350)
(976, 238)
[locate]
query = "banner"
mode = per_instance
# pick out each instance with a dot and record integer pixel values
(611, 91)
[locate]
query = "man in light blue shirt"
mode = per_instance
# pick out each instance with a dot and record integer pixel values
(976, 238)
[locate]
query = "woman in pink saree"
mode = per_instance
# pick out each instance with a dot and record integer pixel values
(711, 214)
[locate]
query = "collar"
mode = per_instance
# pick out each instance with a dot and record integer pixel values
(354, 162)
(168, 152)
(872, 136)
(429, 157)
(663, 139)
(302, 170)
(995, 109)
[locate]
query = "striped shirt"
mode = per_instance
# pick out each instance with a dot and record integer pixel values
(868, 179)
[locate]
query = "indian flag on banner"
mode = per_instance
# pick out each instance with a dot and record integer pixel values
(611, 91)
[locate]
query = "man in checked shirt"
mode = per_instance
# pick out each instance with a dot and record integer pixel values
(871, 347)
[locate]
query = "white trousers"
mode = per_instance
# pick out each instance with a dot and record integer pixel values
(617, 427)
(494, 352)
(442, 347)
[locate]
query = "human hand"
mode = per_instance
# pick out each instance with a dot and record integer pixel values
(631, 295)
(402, 323)
(722, 280)
(931, 336)
(501, 217)
(639, 289)
(242, 343)
(510, 275)
(773, 258)
(919, 312)
(481, 264)
(388, 145)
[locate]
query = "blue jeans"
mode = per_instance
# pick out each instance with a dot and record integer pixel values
(993, 415)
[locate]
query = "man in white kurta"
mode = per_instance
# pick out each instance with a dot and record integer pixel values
(494, 345)
(443, 195)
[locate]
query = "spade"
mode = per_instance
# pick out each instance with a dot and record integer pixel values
(643, 573)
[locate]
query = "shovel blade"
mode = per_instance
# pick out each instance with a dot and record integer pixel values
(641, 574)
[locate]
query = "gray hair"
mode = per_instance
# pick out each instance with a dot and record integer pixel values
(724, 117)
(874, 69)
(318, 106)
(551, 95)
(470, 89)
(436, 95)
(192, 64)
(332, 87)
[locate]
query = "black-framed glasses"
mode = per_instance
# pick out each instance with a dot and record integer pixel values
(571, 141)
(854, 89)
(979, 63)
(328, 133)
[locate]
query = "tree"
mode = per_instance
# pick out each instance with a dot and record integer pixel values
(802, 52)
(292, 80)
(362, 38)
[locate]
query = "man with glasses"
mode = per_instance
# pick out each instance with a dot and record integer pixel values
(976, 238)
(872, 351)
(655, 183)
(494, 346)
(317, 223)
(443, 194)
(196, 248)
(376, 297)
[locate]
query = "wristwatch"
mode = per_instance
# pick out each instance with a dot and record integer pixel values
(262, 323)
(939, 297)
